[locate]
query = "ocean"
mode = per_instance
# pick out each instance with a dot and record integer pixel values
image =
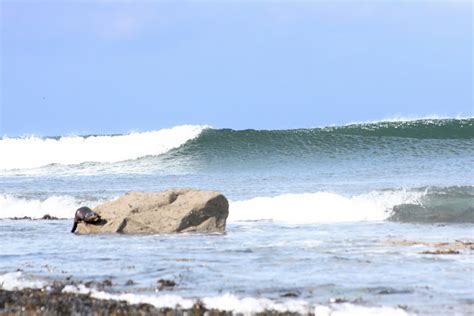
(338, 219)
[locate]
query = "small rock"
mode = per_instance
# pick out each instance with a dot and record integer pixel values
(441, 252)
(20, 218)
(48, 217)
(338, 300)
(184, 260)
(291, 294)
(166, 284)
(107, 282)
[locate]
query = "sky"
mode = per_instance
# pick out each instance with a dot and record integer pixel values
(106, 67)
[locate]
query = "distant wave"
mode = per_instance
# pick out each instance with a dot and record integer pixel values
(428, 128)
(411, 118)
(419, 205)
(34, 152)
(227, 148)
(171, 150)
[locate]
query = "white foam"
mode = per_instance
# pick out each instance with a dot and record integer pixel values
(249, 305)
(225, 302)
(348, 309)
(305, 208)
(57, 206)
(159, 301)
(239, 305)
(34, 152)
(410, 118)
(16, 281)
(321, 207)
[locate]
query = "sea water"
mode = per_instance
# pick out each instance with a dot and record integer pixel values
(314, 214)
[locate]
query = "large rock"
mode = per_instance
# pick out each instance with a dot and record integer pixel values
(170, 211)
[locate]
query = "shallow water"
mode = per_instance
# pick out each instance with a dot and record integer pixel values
(312, 214)
(317, 263)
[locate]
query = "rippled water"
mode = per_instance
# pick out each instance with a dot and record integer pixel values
(316, 263)
(313, 214)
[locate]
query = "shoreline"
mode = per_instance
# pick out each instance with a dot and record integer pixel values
(42, 302)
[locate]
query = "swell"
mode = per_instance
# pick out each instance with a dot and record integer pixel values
(389, 140)
(418, 205)
(187, 148)
(198, 146)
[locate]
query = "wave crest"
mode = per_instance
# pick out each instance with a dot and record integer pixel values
(321, 207)
(434, 128)
(193, 147)
(421, 205)
(34, 152)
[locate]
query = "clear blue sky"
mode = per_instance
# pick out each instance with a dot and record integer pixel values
(113, 67)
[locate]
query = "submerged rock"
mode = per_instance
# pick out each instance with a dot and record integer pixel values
(165, 284)
(441, 252)
(170, 211)
(441, 248)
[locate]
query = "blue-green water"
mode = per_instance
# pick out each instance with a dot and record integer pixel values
(312, 212)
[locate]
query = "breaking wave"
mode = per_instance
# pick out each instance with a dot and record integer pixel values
(420, 205)
(438, 205)
(338, 141)
(193, 146)
(320, 207)
(56, 206)
(34, 152)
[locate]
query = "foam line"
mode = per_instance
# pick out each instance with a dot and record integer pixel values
(321, 207)
(240, 305)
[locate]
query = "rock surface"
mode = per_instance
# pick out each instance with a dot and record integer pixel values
(440, 248)
(170, 211)
(54, 302)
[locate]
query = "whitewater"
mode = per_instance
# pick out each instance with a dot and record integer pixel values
(315, 216)
(95, 148)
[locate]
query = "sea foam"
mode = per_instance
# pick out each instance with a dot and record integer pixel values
(322, 207)
(17, 281)
(239, 305)
(34, 152)
(225, 302)
(305, 208)
(57, 206)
